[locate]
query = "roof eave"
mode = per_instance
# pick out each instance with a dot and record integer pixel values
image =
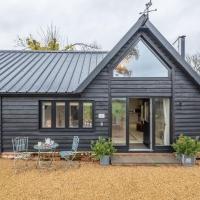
(173, 52)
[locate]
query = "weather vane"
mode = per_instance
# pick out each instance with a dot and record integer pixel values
(147, 9)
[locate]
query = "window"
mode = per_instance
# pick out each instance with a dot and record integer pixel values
(140, 62)
(73, 114)
(46, 114)
(162, 121)
(119, 121)
(60, 114)
(66, 114)
(87, 115)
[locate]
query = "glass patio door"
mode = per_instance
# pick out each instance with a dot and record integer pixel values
(139, 131)
(162, 121)
(119, 121)
(140, 124)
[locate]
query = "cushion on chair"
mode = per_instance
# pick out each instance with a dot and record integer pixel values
(64, 154)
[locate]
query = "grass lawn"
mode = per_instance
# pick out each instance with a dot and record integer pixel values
(92, 181)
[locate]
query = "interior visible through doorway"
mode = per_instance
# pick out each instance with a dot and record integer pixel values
(139, 124)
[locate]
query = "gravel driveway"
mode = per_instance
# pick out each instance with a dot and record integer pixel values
(91, 181)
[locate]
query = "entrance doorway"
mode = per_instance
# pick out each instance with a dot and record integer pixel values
(139, 124)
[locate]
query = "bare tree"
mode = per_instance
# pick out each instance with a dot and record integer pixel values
(194, 61)
(51, 40)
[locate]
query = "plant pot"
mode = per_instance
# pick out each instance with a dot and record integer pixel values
(178, 157)
(188, 160)
(105, 160)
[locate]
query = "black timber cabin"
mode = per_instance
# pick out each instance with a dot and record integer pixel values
(142, 94)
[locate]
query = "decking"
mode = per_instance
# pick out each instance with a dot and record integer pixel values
(143, 159)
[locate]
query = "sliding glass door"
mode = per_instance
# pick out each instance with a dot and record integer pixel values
(141, 123)
(162, 121)
(119, 121)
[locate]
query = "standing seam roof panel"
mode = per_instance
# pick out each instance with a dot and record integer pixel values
(57, 79)
(51, 76)
(82, 67)
(6, 59)
(11, 72)
(68, 74)
(93, 62)
(17, 79)
(42, 77)
(77, 71)
(27, 87)
(60, 76)
(25, 80)
(73, 72)
(86, 67)
(12, 63)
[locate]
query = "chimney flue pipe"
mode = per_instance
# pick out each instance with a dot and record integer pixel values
(182, 38)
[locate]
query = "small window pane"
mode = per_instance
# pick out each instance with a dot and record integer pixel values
(87, 115)
(73, 114)
(60, 115)
(140, 62)
(46, 114)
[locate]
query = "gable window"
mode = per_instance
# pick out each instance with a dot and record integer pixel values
(46, 114)
(73, 114)
(87, 115)
(60, 114)
(140, 61)
(66, 114)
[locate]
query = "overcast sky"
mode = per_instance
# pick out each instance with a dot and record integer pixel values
(103, 21)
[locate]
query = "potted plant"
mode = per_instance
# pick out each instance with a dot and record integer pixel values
(103, 149)
(186, 149)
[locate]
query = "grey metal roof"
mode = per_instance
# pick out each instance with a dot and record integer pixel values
(46, 72)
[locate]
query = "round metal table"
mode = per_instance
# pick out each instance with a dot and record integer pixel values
(46, 154)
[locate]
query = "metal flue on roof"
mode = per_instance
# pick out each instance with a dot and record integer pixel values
(46, 72)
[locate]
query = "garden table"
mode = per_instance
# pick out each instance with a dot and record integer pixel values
(46, 154)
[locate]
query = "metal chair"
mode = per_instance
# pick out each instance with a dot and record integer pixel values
(20, 150)
(70, 155)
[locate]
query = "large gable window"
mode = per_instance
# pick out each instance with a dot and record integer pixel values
(140, 61)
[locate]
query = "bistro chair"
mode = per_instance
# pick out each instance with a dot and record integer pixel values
(70, 155)
(20, 150)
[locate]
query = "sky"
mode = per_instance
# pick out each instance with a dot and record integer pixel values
(102, 21)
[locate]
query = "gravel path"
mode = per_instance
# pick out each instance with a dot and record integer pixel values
(91, 182)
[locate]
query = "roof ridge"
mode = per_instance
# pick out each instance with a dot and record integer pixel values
(39, 51)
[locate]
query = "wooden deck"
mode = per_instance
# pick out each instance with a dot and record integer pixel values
(143, 159)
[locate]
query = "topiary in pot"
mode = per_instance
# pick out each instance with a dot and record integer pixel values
(103, 149)
(187, 148)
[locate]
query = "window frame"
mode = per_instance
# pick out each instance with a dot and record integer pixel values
(154, 52)
(67, 104)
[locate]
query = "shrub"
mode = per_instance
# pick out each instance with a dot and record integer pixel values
(185, 145)
(102, 147)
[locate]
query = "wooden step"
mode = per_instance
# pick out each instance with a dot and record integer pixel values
(143, 159)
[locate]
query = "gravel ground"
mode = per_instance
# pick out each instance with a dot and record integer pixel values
(91, 181)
